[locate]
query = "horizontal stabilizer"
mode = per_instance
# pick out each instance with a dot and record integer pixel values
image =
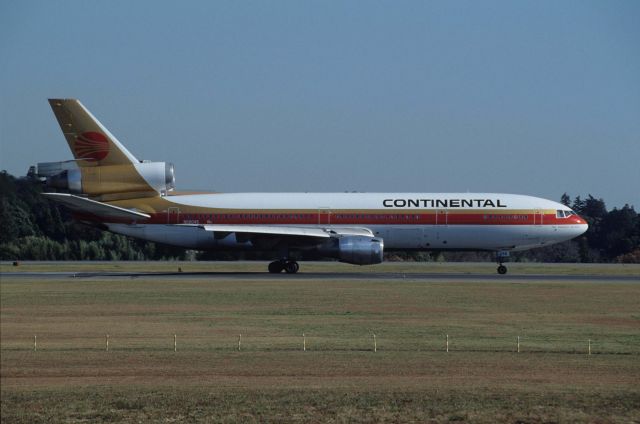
(99, 209)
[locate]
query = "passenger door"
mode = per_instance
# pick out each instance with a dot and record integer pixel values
(442, 223)
(538, 217)
(173, 215)
(324, 215)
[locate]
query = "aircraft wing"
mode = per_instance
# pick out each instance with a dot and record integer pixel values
(99, 209)
(281, 230)
(273, 235)
(267, 230)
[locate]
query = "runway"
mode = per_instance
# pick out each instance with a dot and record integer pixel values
(470, 277)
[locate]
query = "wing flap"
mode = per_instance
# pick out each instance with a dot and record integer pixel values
(99, 209)
(350, 231)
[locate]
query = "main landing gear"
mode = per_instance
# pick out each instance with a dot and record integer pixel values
(501, 257)
(290, 267)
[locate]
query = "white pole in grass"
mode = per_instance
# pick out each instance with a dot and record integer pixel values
(304, 343)
(35, 343)
(518, 344)
(239, 341)
(375, 344)
(175, 343)
(589, 346)
(106, 342)
(447, 343)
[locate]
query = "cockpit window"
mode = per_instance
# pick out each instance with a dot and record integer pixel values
(564, 214)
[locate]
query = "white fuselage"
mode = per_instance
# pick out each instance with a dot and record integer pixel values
(424, 221)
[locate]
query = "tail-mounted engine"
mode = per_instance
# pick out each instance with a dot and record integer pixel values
(140, 177)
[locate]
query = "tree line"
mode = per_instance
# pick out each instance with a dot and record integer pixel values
(33, 228)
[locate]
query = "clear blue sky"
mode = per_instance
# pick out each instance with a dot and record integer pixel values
(539, 97)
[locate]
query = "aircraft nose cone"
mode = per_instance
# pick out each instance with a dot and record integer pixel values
(582, 228)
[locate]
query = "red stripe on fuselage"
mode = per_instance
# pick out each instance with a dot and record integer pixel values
(364, 219)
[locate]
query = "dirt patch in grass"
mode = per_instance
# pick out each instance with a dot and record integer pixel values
(328, 369)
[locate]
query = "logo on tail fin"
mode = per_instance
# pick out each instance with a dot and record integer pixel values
(92, 146)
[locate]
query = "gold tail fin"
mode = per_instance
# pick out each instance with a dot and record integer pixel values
(106, 169)
(90, 142)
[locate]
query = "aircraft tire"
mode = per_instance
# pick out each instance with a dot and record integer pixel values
(502, 270)
(291, 267)
(276, 267)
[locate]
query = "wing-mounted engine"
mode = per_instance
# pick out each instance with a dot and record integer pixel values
(358, 250)
(137, 178)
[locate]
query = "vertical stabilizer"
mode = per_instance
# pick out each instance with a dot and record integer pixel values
(90, 142)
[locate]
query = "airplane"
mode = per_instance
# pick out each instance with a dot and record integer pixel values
(105, 185)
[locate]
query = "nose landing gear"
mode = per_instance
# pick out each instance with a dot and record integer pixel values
(290, 267)
(501, 257)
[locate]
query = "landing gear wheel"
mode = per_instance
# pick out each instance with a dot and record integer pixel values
(502, 256)
(276, 267)
(291, 267)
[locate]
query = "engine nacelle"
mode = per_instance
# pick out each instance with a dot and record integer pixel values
(358, 250)
(112, 179)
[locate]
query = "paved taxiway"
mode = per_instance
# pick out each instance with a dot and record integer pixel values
(325, 276)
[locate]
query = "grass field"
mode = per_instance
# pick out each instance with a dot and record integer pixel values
(339, 378)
